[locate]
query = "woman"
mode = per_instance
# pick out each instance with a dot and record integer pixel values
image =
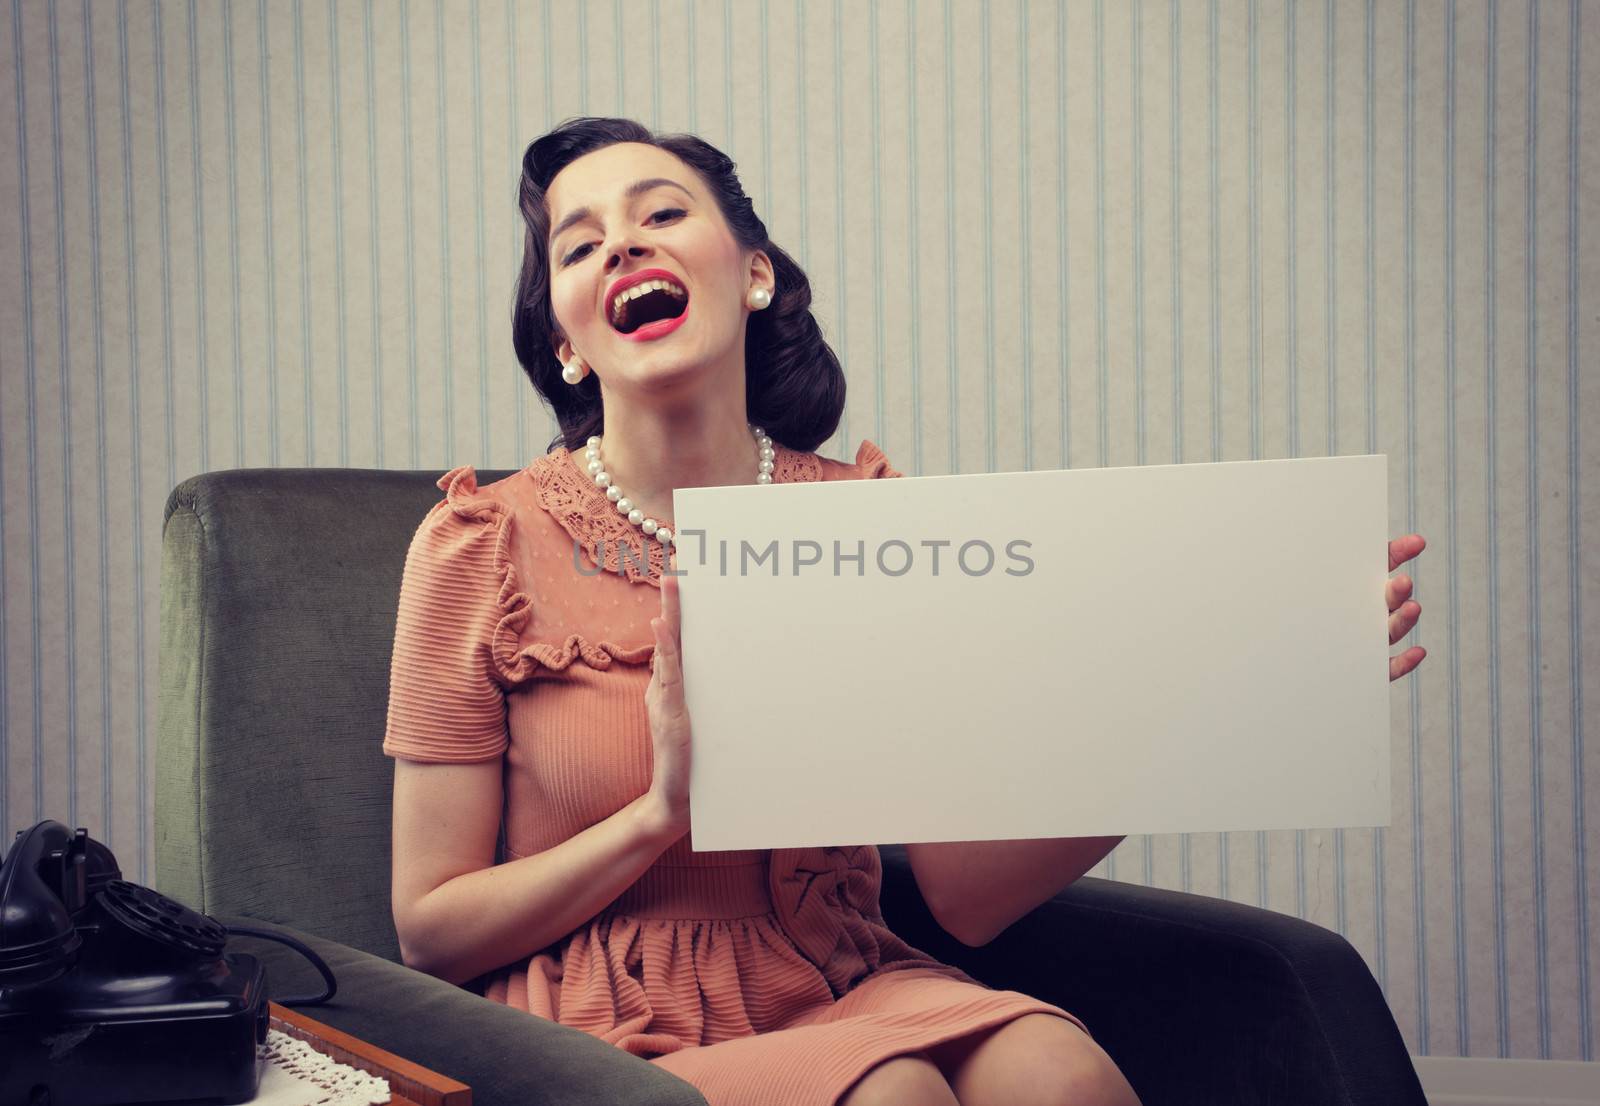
(530, 686)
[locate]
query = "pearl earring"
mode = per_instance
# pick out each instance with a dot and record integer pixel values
(759, 298)
(571, 373)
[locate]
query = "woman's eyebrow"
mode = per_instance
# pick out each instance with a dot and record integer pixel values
(637, 188)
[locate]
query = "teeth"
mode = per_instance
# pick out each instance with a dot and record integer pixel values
(640, 289)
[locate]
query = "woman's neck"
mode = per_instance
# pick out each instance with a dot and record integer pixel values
(650, 454)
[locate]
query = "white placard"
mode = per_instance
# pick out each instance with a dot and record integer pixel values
(1155, 649)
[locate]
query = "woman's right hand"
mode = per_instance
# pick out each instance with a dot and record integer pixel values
(669, 718)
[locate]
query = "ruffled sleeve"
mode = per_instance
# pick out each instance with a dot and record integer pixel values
(444, 701)
(872, 463)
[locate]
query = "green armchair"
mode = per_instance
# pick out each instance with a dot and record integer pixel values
(278, 603)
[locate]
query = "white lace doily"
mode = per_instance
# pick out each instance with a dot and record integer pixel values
(295, 1074)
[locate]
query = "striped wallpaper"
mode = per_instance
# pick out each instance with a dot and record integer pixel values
(1040, 235)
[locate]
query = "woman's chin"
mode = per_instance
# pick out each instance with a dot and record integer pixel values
(662, 363)
(663, 368)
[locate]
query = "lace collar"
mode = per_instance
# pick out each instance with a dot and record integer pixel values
(573, 499)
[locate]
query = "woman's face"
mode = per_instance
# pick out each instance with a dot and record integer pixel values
(675, 227)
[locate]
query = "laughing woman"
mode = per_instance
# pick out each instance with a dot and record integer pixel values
(676, 345)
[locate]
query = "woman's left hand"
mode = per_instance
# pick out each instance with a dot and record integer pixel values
(1403, 611)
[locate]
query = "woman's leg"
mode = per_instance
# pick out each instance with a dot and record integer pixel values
(910, 1080)
(1034, 1060)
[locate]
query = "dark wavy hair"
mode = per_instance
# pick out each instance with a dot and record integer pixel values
(794, 387)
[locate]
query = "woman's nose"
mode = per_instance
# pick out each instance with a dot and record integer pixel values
(615, 256)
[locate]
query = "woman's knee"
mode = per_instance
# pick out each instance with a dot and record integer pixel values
(911, 1080)
(1038, 1060)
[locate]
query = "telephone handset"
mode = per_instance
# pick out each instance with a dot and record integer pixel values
(113, 994)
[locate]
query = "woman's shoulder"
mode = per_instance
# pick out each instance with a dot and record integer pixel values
(552, 481)
(469, 505)
(870, 464)
(467, 526)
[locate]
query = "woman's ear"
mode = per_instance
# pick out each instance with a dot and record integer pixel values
(761, 272)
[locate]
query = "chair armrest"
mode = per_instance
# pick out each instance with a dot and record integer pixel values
(507, 1056)
(1198, 1000)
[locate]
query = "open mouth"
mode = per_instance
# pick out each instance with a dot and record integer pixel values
(652, 301)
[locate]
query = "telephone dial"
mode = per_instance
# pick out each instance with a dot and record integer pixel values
(112, 994)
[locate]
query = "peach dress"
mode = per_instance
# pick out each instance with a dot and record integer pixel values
(761, 976)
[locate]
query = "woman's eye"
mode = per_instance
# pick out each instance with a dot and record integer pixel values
(578, 253)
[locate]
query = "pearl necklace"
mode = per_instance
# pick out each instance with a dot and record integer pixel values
(650, 526)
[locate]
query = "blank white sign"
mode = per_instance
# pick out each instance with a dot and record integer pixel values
(1158, 649)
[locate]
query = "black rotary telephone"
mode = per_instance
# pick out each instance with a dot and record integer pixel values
(112, 994)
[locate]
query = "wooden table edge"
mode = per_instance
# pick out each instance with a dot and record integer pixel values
(410, 1084)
